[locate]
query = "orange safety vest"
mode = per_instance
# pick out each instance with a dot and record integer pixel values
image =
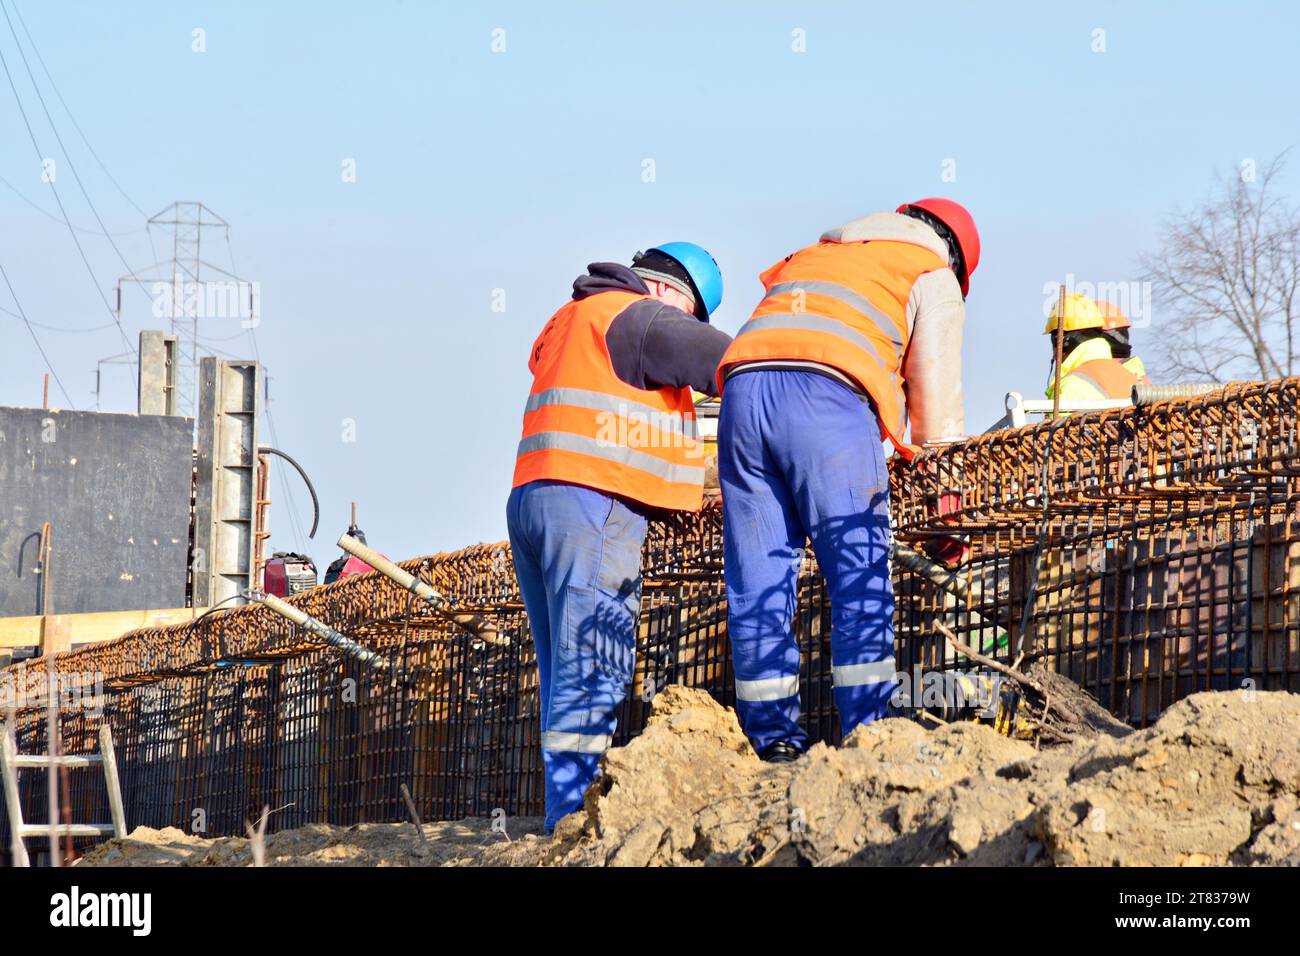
(1108, 376)
(585, 425)
(843, 305)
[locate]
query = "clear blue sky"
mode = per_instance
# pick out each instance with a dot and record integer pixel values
(479, 171)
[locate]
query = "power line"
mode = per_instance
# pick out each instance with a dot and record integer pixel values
(85, 139)
(71, 165)
(75, 125)
(49, 215)
(22, 314)
(68, 222)
(57, 328)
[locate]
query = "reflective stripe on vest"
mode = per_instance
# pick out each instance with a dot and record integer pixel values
(846, 295)
(1108, 376)
(814, 323)
(810, 321)
(601, 402)
(842, 306)
(629, 457)
(586, 426)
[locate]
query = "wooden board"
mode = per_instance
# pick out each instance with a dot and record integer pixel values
(58, 632)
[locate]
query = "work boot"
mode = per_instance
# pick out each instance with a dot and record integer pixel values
(780, 752)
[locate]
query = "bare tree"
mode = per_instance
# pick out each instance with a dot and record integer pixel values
(1227, 278)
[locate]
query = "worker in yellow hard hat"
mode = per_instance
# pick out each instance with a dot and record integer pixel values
(1098, 362)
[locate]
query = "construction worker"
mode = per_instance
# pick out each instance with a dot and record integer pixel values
(609, 437)
(856, 334)
(1098, 362)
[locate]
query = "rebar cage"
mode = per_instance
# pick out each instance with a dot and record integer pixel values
(1147, 553)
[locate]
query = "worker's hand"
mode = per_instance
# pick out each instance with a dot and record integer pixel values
(948, 550)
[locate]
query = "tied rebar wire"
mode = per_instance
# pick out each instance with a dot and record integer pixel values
(1168, 562)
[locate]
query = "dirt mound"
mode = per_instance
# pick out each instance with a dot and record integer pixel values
(691, 791)
(1215, 781)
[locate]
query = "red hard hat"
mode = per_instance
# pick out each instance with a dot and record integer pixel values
(956, 218)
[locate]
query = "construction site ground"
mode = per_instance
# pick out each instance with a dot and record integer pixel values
(1216, 781)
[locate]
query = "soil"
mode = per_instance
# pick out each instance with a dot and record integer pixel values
(1216, 781)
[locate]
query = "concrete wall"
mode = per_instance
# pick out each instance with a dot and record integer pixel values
(116, 491)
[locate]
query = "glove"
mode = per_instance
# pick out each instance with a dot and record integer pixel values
(948, 550)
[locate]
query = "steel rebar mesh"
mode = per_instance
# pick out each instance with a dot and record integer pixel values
(1156, 549)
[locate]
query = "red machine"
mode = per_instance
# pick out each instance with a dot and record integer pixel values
(347, 565)
(288, 573)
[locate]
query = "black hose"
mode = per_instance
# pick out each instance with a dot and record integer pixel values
(315, 503)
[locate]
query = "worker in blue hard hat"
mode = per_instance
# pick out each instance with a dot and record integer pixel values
(609, 437)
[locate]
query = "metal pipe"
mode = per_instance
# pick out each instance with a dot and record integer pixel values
(52, 778)
(1060, 350)
(480, 627)
(346, 645)
(45, 549)
(945, 580)
(1148, 394)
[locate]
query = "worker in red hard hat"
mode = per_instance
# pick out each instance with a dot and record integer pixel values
(857, 336)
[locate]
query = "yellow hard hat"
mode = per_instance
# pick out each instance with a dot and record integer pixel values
(1084, 312)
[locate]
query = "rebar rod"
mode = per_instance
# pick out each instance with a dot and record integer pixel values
(1156, 549)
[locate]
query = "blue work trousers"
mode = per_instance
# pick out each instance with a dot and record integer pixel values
(800, 457)
(577, 555)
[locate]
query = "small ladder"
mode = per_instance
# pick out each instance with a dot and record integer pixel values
(10, 763)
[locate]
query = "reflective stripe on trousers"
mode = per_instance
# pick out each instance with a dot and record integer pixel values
(848, 675)
(771, 688)
(576, 743)
(863, 675)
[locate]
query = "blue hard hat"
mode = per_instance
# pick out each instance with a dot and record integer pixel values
(703, 269)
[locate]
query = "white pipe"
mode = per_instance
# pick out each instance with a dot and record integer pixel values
(478, 626)
(347, 645)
